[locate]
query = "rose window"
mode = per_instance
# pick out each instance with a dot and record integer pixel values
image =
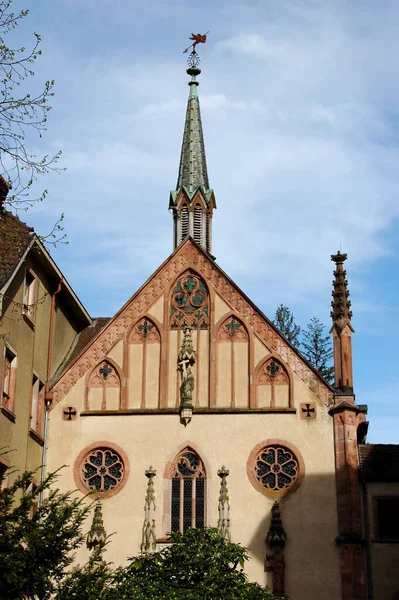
(102, 470)
(276, 468)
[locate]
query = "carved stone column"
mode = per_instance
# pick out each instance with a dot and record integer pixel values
(224, 505)
(185, 361)
(148, 539)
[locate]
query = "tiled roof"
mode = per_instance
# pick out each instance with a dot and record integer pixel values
(81, 341)
(379, 462)
(15, 236)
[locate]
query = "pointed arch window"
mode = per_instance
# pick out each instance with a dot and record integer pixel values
(189, 305)
(188, 492)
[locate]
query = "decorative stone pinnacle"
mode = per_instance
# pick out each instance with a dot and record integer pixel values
(341, 314)
(224, 505)
(276, 536)
(97, 535)
(148, 539)
(151, 472)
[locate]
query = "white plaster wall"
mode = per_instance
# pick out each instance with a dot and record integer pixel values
(309, 514)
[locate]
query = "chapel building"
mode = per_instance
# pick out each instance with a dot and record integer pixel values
(190, 401)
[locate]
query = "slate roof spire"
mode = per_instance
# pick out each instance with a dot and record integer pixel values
(193, 201)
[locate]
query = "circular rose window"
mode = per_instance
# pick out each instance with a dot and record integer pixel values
(102, 470)
(275, 469)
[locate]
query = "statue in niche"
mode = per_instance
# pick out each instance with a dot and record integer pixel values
(276, 539)
(185, 362)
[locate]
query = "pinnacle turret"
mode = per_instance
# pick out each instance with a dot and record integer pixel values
(193, 201)
(341, 313)
(341, 329)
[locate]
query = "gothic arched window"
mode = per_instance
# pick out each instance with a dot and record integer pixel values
(189, 304)
(188, 492)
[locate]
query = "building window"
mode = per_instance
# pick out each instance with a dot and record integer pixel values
(3, 474)
(30, 296)
(275, 468)
(189, 305)
(188, 492)
(9, 366)
(386, 518)
(31, 490)
(36, 407)
(102, 470)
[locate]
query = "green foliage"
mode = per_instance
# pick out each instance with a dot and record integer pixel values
(37, 542)
(37, 547)
(317, 348)
(199, 564)
(285, 322)
(21, 112)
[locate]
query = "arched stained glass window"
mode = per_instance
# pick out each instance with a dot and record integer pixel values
(188, 492)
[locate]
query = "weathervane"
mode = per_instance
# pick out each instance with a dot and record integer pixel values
(198, 38)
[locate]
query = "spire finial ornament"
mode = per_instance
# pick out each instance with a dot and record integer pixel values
(276, 539)
(148, 540)
(341, 329)
(185, 362)
(97, 536)
(224, 505)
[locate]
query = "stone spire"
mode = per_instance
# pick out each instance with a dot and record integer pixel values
(148, 540)
(97, 536)
(341, 329)
(193, 201)
(224, 505)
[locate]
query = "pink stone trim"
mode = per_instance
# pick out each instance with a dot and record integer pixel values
(77, 469)
(275, 495)
(188, 256)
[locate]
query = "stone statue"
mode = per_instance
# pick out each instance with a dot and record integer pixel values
(185, 362)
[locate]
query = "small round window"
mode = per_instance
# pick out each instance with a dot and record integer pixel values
(102, 470)
(275, 468)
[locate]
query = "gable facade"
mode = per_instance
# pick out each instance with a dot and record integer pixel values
(259, 410)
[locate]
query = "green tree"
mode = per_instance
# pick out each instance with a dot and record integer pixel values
(200, 564)
(37, 542)
(284, 321)
(21, 112)
(317, 348)
(37, 545)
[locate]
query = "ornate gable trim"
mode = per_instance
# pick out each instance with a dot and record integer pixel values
(190, 255)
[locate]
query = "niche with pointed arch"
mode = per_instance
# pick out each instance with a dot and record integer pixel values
(144, 343)
(273, 385)
(103, 390)
(232, 364)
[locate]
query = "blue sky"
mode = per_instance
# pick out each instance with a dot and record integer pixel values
(299, 108)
